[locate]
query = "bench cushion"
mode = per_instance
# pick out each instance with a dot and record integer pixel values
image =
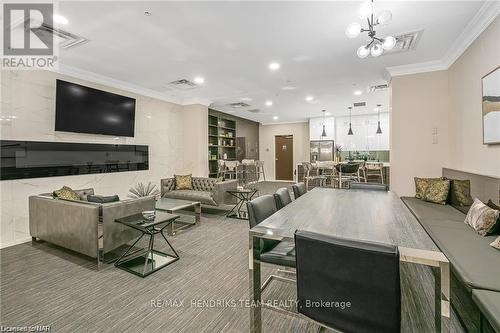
(201, 196)
(489, 304)
(473, 260)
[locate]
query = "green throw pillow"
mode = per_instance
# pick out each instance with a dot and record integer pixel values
(421, 185)
(460, 192)
(183, 182)
(66, 193)
(437, 191)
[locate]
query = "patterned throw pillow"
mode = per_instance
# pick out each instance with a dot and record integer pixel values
(482, 218)
(421, 185)
(496, 243)
(66, 193)
(460, 192)
(437, 191)
(183, 182)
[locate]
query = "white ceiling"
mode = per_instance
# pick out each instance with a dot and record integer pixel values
(231, 44)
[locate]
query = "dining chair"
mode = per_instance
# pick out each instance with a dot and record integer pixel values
(231, 169)
(312, 175)
(358, 280)
(375, 170)
(259, 165)
(249, 171)
(361, 170)
(275, 252)
(221, 169)
(282, 197)
(347, 172)
(369, 186)
(299, 190)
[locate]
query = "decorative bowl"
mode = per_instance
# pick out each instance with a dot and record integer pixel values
(149, 215)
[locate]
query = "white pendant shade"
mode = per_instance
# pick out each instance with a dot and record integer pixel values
(384, 17)
(363, 51)
(388, 43)
(366, 9)
(353, 30)
(376, 50)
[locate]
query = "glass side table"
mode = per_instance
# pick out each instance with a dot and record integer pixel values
(144, 262)
(243, 196)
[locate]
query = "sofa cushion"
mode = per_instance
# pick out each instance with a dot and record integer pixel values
(84, 193)
(429, 210)
(482, 218)
(460, 192)
(489, 304)
(201, 196)
(472, 258)
(103, 199)
(183, 182)
(204, 184)
(421, 185)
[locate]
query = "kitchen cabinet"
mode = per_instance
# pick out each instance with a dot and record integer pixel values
(316, 128)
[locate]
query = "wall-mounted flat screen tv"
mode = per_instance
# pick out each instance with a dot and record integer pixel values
(82, 109)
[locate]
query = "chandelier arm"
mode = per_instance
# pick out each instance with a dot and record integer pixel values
(379, 39)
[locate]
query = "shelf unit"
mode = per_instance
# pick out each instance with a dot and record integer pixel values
(221, 140)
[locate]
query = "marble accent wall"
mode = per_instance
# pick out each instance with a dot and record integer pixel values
(30, 97)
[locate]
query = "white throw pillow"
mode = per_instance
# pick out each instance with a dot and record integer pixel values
(482, 218)
(496, 243)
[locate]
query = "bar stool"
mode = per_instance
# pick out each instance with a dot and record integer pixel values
(231, 169)
(375, 170)
(260, 170)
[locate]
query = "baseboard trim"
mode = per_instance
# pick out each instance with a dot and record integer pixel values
(15, 242)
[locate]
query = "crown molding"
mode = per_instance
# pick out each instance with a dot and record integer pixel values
(113, 83)
(285, 122)
(483, 18)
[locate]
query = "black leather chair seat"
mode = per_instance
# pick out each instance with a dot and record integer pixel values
(282, 254)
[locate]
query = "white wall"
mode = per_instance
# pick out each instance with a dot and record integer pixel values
(29, 95)
(467, 151)
(420, 105)
(267, 133)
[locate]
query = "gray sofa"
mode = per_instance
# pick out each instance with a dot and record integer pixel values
(208, 191)
(84, 227)
(475, 265)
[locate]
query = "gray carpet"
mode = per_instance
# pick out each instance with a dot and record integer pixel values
(42, 284)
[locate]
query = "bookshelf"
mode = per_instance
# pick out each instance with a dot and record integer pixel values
(221, 140)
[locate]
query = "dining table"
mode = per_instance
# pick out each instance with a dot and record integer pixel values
(376, 216)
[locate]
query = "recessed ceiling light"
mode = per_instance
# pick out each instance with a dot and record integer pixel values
(60, 19)
(328, 114)
(147, 13)
(309, 98)
(275, 118)
(246, 99)
(375, 109)
(269, 103)
(274, 66)
(358, 92)
(288, 88)
(199, 80)
(148, 116)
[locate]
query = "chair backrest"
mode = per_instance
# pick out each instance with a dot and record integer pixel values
(260, 209)
(259, 164)
(369, 186)
(363, 277)
(247, 162)
(374, 166)
(282, 197)
(299, 190)
(231, 165)
(347, 167)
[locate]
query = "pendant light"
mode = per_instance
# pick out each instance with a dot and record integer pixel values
(323, 134)
(379, 130)
(350, 127)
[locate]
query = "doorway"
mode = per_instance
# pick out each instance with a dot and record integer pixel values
(283, 150)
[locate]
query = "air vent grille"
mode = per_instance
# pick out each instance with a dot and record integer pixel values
(405, 42)
(254, 110)
(378, 87)
(183, 84)
(359, 104)
(63, 39)
(239, 105)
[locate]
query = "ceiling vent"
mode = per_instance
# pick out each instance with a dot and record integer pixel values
(359, 104)
(63, 39)
(183, 84)
(238, 105)
(254, 110)
(405, 42)
(379, 87)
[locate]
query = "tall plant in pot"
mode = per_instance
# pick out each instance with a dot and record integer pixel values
(144, 190)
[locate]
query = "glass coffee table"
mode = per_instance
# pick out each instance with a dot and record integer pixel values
(173, 206)
(243, 195)
(143, 262)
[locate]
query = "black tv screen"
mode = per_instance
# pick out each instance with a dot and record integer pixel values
(82, 109)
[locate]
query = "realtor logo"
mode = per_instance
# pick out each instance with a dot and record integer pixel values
(27, 41)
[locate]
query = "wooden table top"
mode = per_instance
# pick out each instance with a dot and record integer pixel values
(357, 214)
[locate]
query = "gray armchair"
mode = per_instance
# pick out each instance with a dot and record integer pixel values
(84, 227)
(208, 191)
